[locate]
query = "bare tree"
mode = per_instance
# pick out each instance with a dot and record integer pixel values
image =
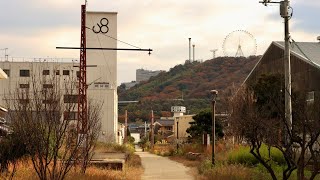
(93, 126)
(43, 114)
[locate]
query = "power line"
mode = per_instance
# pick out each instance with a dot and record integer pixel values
(116, 39)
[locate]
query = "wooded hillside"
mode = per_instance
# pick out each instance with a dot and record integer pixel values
(191, 82)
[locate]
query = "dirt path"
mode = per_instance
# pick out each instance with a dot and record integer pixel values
(158, 168)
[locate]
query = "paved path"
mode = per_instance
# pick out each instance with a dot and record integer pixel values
(162, 168)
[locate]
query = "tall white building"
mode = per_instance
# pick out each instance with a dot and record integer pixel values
(101, 33)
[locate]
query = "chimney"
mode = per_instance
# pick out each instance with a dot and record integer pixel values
(190, 49)
(193, 52)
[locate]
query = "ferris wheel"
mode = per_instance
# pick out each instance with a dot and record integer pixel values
(239, 43)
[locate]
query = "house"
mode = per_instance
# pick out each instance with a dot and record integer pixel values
(183, 123)
(305, 68)
(163, 126)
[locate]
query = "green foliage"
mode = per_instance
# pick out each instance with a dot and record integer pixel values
(243, 156)
(203, 123)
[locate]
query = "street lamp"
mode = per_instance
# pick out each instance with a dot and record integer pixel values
(177, 133)
(214, 94)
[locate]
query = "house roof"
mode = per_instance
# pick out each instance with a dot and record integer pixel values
(165, 122)
(307, 51)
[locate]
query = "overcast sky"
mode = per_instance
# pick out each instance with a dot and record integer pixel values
(34, 28)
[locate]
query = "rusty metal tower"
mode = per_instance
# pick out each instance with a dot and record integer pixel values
(82, 96)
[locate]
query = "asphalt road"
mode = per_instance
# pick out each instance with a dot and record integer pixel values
(162, 168)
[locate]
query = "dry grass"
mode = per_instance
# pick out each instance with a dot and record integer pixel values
(230, 172)
(184, 161)
(131, 171)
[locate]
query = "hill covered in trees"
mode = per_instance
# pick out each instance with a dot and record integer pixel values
(191, 82)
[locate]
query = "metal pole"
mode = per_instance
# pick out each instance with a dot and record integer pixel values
(177, 134)
(152, 133)
(287, 67)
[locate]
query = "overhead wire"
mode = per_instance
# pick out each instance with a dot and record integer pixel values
(116, 39)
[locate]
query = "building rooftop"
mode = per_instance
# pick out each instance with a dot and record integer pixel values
(165, 122)
(307, 51)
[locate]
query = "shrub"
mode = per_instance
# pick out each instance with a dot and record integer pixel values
(243, 156)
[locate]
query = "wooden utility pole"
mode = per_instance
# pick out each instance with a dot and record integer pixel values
(126, 127)
(152, 130)
(213, 101)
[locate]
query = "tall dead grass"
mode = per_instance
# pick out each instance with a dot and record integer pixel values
(131, 171)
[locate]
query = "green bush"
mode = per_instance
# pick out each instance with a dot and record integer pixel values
(243, 156)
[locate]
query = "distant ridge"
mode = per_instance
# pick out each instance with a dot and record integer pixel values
(193, 80)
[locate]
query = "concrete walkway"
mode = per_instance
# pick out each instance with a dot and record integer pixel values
(162, 168)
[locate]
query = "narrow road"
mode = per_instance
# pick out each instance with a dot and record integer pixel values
(162, 168)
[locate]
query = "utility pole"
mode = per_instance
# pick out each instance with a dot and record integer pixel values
(284, 7)
(152, 132)
(126, 127)
(214, 94)
(284, 12)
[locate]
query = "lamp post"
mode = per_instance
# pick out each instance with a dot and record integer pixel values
(177, 133)
(214, 94)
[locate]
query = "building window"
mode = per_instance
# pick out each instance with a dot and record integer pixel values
(78, 74)
(49, 101)
(46, 72)
(66, 72)
(70, 115)
(24, 86)
(47, 85)
(70, 98)
(7, 71)
(24, 73)
(24, 101)
(73, 115)
(57, 72)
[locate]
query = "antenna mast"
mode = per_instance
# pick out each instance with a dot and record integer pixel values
(214, 53)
